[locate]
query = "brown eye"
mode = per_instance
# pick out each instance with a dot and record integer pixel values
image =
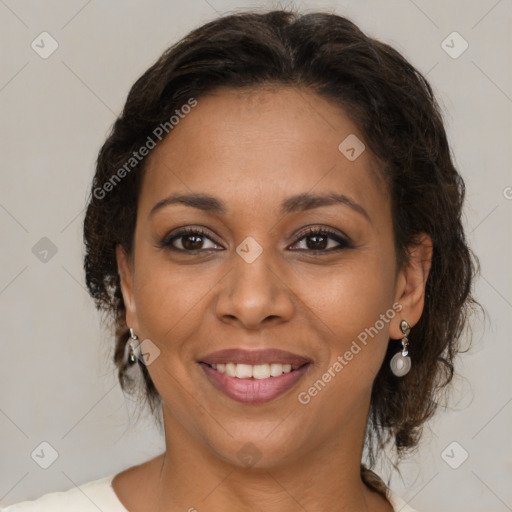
(192, 242)
(315, 242)
(322, 240)
(188, 240)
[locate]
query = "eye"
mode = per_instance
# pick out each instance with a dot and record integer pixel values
(188, 240)
(316, 240)
(322, 240)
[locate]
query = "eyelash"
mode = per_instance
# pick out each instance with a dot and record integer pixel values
(166, 242)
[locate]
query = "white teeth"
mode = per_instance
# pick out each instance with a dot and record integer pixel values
(278, 369)
(261, 371)
(230, 369)
(257, 371)
(243, 371)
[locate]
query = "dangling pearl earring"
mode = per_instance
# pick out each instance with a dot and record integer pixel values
(401, 363)
(132, 348)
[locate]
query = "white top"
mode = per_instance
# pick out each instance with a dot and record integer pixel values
(100, 495)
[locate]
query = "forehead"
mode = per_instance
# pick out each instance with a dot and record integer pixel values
(255, 145)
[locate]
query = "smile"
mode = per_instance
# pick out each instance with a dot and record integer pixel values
(253, 383)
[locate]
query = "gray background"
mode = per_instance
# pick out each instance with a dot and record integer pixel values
(57, 382)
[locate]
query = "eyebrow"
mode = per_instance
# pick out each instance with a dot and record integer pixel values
(300, 202)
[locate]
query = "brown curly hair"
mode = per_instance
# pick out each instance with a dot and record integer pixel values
(395, 109)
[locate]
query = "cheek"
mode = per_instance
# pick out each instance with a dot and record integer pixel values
(352, 306)
(348, 297)
(169, 312)
(170, 299)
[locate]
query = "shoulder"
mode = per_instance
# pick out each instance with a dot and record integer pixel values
(397, 502)
(90, 496)
(375, 482)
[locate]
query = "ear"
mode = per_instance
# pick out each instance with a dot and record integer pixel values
(125, 269)
(410, 287)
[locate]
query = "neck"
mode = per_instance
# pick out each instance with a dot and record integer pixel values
(192, 476)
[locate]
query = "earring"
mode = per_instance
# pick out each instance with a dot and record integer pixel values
(401, 363)
(132, 349)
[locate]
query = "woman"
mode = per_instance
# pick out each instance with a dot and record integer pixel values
(275, 227)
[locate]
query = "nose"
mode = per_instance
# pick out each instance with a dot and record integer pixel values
(254, 294)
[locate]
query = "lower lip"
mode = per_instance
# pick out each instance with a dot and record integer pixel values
(253, 390)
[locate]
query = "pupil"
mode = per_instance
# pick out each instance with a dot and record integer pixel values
(320, 242)
(192, 242)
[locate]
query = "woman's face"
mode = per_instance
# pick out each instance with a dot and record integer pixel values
(253, 278)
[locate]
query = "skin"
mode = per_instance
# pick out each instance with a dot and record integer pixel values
(252, 150)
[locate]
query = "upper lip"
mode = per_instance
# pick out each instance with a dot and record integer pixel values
(261, 356)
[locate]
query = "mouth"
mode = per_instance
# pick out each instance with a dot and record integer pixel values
(255, 383)
(253, 376)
